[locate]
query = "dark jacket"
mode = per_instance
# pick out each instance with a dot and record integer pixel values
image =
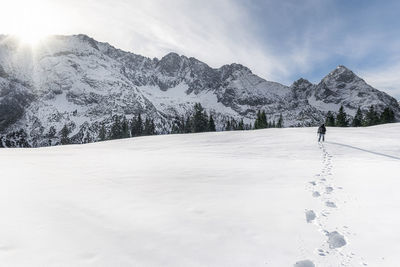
(322, 129)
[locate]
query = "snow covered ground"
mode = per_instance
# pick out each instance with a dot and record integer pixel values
(270, 197)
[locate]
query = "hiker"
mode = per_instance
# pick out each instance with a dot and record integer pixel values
(321, 132)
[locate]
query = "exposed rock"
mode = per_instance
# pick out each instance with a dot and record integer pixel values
(75, 80)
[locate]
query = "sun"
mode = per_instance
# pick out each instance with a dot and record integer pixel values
(32, 38)
(33, 30)
(30, 21)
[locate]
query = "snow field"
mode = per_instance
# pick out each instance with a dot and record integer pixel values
(212, 199)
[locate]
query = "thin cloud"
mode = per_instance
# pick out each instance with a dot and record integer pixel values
(216, 32)
(386, 79)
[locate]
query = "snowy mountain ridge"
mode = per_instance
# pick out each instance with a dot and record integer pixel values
(80, 82)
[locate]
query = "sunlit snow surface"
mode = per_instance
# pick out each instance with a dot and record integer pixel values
(213, 199)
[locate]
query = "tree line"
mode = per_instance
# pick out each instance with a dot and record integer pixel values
(262, 121)
(121, 127)
(197, 120)
(368, 118)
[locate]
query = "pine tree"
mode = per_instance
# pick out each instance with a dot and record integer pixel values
(280, 122)
(102, 133)
(341, 118)
(149, 127)
(241, 125)
(125, 133)
(234, 124)
(178, 126)
(387, 116)
(211, 124)
(261, 120)
(200, 121)
(146, 127)
(137, 126)
(257, 121)
(125, 128)
(264, 122)
(330, 119)
(188, 125)
(116, 128)
(371, 118)
(228, 126)
(64, 135)
(181, 125)
(358, 119)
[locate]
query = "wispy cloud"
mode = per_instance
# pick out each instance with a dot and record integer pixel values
(217, 32)
(386, 79)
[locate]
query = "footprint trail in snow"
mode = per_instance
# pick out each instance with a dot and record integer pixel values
(334, 251)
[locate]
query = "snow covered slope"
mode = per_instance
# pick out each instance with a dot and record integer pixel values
(81, 83)
(213, 199)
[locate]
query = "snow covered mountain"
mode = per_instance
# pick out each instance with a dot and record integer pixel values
(79, 82)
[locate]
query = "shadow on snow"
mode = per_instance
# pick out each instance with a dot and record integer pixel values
(365, 150)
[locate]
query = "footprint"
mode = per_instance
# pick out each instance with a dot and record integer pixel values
(328, 189)
(310, 216)
(336, 240)
(316, 194)
(313, 183)
(322, 252)
(305, 263)
(330, 204)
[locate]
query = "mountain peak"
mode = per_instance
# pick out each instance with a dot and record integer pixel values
(171, 56)
(342, 67)
(301, 83)
(170, 64)
(341, 74)
(87, 39)
(340, 70)
(235, 67)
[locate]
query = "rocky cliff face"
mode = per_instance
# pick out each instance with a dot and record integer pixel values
(79, 82)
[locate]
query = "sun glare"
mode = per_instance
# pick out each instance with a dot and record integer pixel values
(30, 21)
(31, 38)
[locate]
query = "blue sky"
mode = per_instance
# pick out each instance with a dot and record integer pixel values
(362, 35)
(278, 40)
